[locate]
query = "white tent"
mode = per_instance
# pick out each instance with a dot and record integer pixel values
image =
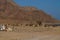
(2, 27)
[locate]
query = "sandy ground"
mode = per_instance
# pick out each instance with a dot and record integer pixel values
(30, 36)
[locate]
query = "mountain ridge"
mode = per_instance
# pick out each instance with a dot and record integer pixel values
(10, 11)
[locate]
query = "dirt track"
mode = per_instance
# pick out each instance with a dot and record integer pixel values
(29, 36)
(46, 37)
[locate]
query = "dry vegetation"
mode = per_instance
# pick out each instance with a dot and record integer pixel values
(32, 28)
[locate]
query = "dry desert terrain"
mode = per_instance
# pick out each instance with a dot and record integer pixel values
(47, 35)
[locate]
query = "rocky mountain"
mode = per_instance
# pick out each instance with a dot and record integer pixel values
(10, 12)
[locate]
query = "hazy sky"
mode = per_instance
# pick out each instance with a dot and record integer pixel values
(51, 7)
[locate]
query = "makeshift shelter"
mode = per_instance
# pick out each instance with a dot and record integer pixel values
(2, 27)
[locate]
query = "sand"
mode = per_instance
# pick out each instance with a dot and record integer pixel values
(30, 35)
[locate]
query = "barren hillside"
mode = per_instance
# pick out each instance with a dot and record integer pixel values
(10, 12)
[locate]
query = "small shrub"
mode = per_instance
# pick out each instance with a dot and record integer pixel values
(30, 24)
(39, 23)
(26, 25)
